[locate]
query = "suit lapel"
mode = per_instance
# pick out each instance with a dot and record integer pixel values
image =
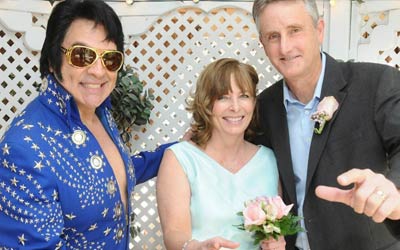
(281, 144)
(334, 84)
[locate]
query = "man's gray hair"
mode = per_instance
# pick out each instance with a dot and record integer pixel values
(260, 5)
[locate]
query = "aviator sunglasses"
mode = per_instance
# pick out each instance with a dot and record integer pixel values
(81, 56)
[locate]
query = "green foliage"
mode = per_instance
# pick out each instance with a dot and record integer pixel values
(288, 225)
(131, 105)
(134, 229)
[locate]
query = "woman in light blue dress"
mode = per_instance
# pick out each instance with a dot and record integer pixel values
(203, 183)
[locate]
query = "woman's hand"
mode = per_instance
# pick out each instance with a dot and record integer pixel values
(273, 244)
(216, 243)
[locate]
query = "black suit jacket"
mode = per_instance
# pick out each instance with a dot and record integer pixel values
(363, 133)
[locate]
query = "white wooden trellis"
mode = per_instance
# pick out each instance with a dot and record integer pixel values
(169, 42)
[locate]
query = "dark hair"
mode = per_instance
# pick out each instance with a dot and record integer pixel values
(61, 17)
(215, 81)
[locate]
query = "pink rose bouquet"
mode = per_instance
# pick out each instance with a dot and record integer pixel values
(269, 217)
(325, 110)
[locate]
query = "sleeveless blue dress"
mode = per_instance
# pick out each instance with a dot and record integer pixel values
(218, 194)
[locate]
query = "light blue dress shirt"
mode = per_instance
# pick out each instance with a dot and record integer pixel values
(300, 135)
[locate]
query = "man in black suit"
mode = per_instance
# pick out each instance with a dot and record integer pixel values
(345, 179)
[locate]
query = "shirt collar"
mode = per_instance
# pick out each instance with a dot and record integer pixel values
(61, 101)
(288, 96)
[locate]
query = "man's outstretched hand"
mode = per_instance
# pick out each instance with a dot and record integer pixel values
(373, 194)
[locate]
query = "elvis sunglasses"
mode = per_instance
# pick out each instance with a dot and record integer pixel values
(82, 56)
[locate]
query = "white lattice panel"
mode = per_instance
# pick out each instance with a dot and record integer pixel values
(19, 72)
(170, 56)
(379, 32)
(381, 37)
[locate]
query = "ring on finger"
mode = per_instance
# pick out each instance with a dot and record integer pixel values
(381, 194)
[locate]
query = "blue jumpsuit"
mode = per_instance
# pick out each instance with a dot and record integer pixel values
(57, 189)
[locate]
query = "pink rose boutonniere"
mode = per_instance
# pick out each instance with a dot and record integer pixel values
(269, 217)
(325, 110)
